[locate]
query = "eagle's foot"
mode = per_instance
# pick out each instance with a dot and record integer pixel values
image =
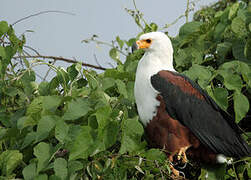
(176, 174)
(182, 154)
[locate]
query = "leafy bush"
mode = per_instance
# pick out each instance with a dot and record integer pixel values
(84, 124)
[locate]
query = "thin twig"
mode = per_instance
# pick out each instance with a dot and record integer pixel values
(62, 59)
(42, 12)
(96, 59)
(47, 73)
(34, 50)
(108, 44)
(39, 76)
(157, 165)
(187, 11)
(174, 22)
(110, 64)
(138, 12)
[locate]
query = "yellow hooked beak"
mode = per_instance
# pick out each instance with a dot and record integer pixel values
(143, 44)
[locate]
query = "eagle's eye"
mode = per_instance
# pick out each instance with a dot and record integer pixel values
(148, 41)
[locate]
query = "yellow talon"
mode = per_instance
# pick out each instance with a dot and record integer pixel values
(182, 154)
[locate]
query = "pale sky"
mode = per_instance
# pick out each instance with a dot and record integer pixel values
(61, 35)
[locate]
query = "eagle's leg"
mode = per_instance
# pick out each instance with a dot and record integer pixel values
(174, 171)
(182, 154)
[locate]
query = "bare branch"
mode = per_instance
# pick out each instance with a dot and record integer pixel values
(42, 12)
(62, 59)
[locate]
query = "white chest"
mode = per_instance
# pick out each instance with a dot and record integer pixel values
(145, 97)
(145, 94)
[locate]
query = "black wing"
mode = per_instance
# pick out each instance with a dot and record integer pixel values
(191, 105)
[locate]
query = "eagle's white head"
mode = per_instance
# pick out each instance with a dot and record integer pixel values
(158, 50)
(155, 42)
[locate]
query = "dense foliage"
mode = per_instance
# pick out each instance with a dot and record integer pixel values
(84, 124)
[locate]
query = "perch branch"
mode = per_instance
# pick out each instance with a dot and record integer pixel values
(56, 58)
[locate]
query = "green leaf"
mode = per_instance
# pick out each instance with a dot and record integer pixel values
(115, 55)
(29, 172)
(9, 160)
(238, 50)
(190, 28)
(26, 62)
(103, 116)
(233, 10)
(112, 73)
(28, 79)
(51, 103)
(107, 136)
(121, 88)
(223, 49)
(10, 52)
(3, 27)
(219, 30)
(76, 109)
(132, 131)
(3, 132)
(11, 91)
(247, 78)
(154, 26)
(83, 145)
(120, 42)
(41, 177)
(62, 76)
(183, 58)
(247, 49)
(43, 152)
(249, 172)
(29, 138)
(107, 83)
(220, 96)
(54, 177)
(130, 91)
(199, 72)
(74, 166)
(44, 127)
(61, 131)
(233, 82)
(130, 42)
(73, 71)
(213, 173)
(81, 82)
(238, 26)
(44, 88)
(25, 121)
(155, 154)
(241, 106)
(2, 52)
(60, 168)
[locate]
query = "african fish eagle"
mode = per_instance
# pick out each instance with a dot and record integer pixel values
(177, 114)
